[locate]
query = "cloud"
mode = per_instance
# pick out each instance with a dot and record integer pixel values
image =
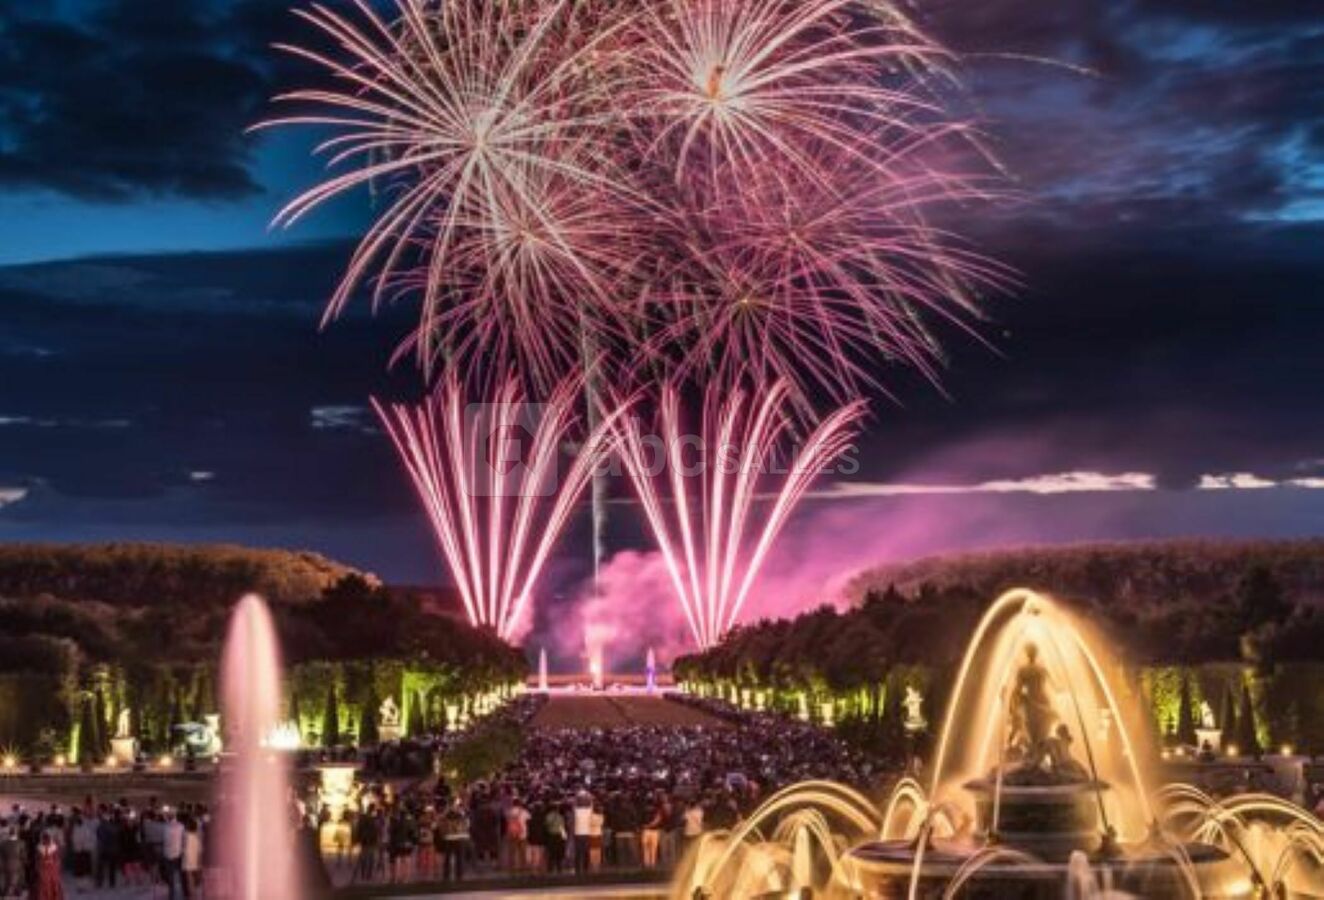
(95, 424)
(1191, 112)
(1238, 481)
(342, 417)
(1249, 481)
(11, 495)
(123, 99)
(1058, 483)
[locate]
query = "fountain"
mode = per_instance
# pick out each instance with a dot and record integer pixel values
(255, 838)
(542, 670)
(1038, 790)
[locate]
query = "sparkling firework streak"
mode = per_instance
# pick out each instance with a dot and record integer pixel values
(496, 516)
(715, 545)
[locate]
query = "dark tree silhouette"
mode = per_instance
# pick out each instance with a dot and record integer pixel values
(368, 733)
(1248, 738)
(331, 718)
(1186, 714)
(1227, 720)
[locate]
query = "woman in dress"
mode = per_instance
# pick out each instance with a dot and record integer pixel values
(192, 858)
(48, 886)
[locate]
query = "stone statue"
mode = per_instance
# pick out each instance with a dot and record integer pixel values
(1207, 716)
(1059, 758)
(388, 714)
(914, 704)
(1031, 705)
(123, 724)
(1038, 745)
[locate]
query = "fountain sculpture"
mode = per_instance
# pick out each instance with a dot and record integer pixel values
(254, 809)
(1039, 789)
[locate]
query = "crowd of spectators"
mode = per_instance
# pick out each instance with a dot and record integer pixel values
(573, 800)
(579, 800)
(102, 845)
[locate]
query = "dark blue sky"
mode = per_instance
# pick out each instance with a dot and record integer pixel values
(162, 375)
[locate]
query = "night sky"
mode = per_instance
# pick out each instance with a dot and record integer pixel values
(162, 375)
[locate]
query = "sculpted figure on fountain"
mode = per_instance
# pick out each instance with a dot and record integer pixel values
(1038, 743)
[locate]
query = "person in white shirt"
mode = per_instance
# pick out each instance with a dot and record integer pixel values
(84, 840)
(172, 854)
(192, 861)
(583, 825)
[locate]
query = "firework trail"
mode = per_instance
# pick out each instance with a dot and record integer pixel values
(714, 544)
(496, 516)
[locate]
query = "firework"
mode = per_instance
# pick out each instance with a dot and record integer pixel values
(812, 289)
(711, 538)
(703, 188)
(474, 121)
(496, 517)
(765, 82)
(809, 144)
(712, 192)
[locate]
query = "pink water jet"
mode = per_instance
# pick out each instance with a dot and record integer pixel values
(255, 839)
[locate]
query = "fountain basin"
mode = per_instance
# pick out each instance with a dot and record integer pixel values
(1049, 821)
(885, 869)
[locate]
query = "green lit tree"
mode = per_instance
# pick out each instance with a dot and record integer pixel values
(100, 737)
(331, 719)
(368, 733)
(1186, 713)
(416, 725)
(1227, 719)
(296, 715)
(88, 734)
(1248, 738)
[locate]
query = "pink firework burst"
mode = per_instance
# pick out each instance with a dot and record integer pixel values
(723, 86)
(814, 286)
(488, 476)
(715, 529)
(473, 118)
(725, 188)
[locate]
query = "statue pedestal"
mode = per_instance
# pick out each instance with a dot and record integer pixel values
(389, 733)
(124, 750)
(1212, 736)
(336, 790)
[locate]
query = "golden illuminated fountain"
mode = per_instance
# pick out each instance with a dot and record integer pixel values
(1040, 787)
